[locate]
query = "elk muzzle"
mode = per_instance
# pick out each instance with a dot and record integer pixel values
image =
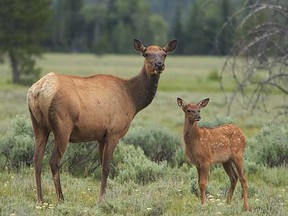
(158, 67)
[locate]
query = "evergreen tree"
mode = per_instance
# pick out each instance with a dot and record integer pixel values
(22, 29)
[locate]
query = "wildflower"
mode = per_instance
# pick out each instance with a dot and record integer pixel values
(149, 209)
(38, 207)
(45, 205)
(210, 196)
(218, 213)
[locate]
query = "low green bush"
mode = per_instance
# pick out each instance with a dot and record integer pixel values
(81, 159)
(158, 144)
(130, 164)
(213, 75)
(17, 146)
(216, 122)
(270, 146)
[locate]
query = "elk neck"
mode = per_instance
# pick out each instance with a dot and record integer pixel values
(142, 89)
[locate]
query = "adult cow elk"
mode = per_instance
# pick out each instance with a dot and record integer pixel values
(99, 107)
(205, 146)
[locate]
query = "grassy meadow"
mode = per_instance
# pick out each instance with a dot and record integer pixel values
(191, 78)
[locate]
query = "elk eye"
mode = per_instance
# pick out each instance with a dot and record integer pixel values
(188, 111)
(145, 55)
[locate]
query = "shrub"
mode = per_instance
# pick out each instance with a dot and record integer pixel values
(179, 158)
(130, 164)
(216, 122)
(158, 144)
(81, 159)
(214, 75)
(270, 146)
(18, 144)
(17, 148)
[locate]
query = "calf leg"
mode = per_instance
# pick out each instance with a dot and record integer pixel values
(202, 181)
(239, 166)
(233, 179)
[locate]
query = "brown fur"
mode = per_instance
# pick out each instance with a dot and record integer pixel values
(99, 107)
(205, 146)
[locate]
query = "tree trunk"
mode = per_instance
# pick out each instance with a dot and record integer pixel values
(14, 65)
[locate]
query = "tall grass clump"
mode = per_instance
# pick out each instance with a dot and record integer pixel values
(158, 144)
(16, 147)
(270, 146)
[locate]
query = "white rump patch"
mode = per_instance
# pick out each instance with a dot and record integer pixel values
(41, 94)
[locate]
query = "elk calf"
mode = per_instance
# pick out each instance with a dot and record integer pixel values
(205, 146)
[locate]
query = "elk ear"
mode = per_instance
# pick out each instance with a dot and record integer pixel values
(138, 46)
(181, 103)
(171, 46)
(203, 103)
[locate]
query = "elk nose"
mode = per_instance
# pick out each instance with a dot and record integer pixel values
(159, 65)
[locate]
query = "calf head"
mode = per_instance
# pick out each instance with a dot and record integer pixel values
(192, 111)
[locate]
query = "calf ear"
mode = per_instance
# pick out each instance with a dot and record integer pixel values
(203, 103)
(181, 103)
(171, 46)
(138, 46)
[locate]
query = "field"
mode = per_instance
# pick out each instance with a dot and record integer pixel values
(191, 78)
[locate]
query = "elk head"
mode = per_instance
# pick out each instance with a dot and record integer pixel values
(154, 55)
(192, 111)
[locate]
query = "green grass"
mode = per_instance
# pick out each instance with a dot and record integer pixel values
(170, 195)
(185, 76)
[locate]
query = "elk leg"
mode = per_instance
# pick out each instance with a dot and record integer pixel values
(41, 137)
(100, 150)
(233, 179)
(107, 153)
(239, 166)
(202, 181)
(58, 151)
